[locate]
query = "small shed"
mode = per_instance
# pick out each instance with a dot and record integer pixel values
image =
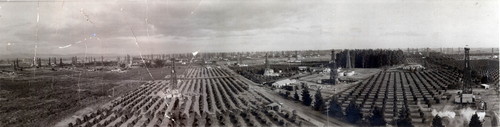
(485, 86)
(302, 68)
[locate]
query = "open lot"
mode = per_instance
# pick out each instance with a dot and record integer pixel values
(50, 95)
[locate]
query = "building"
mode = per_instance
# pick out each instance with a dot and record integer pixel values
(333, 69)
(268, 71)
(274, 106)
(285, 82)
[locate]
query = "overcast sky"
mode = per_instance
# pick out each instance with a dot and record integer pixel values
(167, 26)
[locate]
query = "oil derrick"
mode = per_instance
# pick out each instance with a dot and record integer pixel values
(128, 61)
(39, 62)
(296, 55)
(266, 62)
(239, 59)
(174, 75)
(466, 96)
(14, 65)
(33, 62)
(348, 60)
(73, 60)
(492, 53)
(60, 62)
(427, 52)
(174, 91)
(17, 63)
(118, 60)
(467, 76)
(268, 71)
(333, 69)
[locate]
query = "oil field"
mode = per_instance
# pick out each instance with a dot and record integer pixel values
(236, 63)
(231, 89)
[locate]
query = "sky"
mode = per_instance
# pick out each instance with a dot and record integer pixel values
(175, 26)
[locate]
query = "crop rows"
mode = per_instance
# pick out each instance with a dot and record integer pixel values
(392, 90)
(210, 97)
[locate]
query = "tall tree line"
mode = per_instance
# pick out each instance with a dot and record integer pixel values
(369, 58)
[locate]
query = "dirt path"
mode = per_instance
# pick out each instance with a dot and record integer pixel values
(306, 112)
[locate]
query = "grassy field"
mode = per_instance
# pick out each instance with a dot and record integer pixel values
(43, 98)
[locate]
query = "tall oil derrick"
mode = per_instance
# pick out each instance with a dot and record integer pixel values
(13, 65)
(174, 75)
(333, 69)
(427, 52)
(266, 62)
(296, 55)
(17, 63)
(492, 53)
(467, 76)
(102, 60)
(39, 62)
(348, 60)
(239, 58)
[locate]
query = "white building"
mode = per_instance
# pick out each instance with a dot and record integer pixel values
(285, 82)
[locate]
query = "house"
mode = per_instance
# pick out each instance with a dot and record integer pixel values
(284, 82)
(270, 72)
(302, 68)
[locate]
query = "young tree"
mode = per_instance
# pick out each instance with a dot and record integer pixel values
(353, 112)
(287, 93)
(306, 97)
(437, 121)
(159, 63)
(319, 103)
(296, 96)
(404, 119)
(377, 117)
(335, 109)
(475, 122)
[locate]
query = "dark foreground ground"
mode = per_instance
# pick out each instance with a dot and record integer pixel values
(43, 98)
